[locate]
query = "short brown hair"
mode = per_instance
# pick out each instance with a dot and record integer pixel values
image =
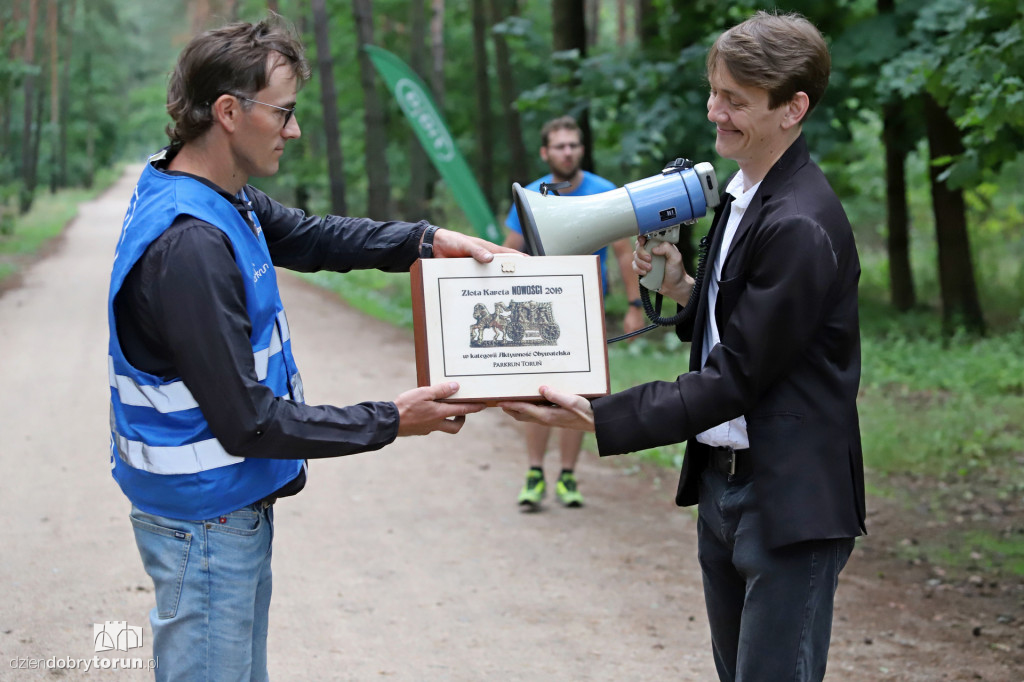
(560, 123)
(782, 54)
(231, 59)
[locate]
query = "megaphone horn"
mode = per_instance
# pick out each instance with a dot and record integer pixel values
(653, 207)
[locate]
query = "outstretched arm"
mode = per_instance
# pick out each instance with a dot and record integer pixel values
(452, 244)
(567, 411)
(419, 413)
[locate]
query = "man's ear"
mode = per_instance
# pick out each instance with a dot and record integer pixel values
(796, 110)
(544, 154)
(226, 109)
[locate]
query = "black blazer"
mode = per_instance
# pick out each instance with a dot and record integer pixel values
(789, 360)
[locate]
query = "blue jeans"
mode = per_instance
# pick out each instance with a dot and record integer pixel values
(213, 582)
(770, 609)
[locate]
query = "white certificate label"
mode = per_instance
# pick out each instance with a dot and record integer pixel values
(503, 329)
(514, 325)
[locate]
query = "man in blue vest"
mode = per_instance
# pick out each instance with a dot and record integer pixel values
(562, 150)
(208, 424)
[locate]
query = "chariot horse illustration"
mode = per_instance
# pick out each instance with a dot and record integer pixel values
(495, 321)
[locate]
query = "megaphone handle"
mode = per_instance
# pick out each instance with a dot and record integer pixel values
(653, 279)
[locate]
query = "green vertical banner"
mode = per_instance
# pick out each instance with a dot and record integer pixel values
(417, 104)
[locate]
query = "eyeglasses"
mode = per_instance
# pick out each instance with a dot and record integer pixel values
(287, 112)
(567, 146)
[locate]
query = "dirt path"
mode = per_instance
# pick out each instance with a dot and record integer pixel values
(412, 563)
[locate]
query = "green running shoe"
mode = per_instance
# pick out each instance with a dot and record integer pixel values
(533, 491)
(567, 492)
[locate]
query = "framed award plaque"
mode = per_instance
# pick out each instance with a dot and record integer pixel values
(504, 328)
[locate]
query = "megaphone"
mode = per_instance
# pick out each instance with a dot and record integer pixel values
(654, 207)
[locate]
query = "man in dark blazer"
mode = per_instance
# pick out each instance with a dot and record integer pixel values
(768, 408)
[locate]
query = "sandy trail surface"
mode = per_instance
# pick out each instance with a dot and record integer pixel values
(411, 563)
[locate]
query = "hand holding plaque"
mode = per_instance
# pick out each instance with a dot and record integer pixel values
(563, 410)
(422, 410)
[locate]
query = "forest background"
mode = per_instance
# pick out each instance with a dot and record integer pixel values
(920, 132)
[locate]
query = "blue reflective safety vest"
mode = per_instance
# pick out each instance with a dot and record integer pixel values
(163, 454)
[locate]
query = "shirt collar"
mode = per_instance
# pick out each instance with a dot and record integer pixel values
(162, 159)
(741, 199)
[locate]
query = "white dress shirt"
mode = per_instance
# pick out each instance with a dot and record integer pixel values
(732, 433)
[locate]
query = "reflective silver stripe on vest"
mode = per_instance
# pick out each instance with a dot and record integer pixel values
(262, 357)
(282, 322)
(181, 459)
(175, 396)
(172, 397)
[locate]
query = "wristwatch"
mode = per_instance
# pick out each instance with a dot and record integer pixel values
(427, 242)
(637, 303)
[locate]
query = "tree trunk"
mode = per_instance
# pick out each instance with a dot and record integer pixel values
(484, 120)
(329, 104)
(376, 138)
(90, 121)
(593, 10)
(51, 38)
(683, 23)
(623, 29)
(901, 280)
(421, 174)
(6, 149)
(273, 6)
(519, 167)
(437, 51)
(28, 175)
(200, 15)
(960, 305)
(568, 27)
(16, 17)
(646, 24)
(302, 197)
(6, 143)
(62, 172)
(36, 142)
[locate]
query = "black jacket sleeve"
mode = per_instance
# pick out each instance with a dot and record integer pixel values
(772, 322)
(182, 311)
(311, 243)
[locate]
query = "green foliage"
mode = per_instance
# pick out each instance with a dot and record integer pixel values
(966, 551)
(930, 405)
(30, 232)
(995, 210)
(969, 56)
(643, 113)
(656, 356)
(120, 54)
(382, 295)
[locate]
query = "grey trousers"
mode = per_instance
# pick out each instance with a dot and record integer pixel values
(770, 610)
